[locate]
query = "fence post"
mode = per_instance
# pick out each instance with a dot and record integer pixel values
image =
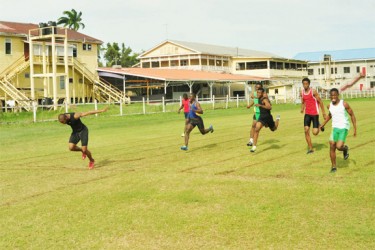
(120, 108)
(237, 100)
(180, 101)
(34, 111)
(66, 107)
(351, 94)
(213, 101)
(144, 105)
(226, 100)
(96, 105)
(163, 103)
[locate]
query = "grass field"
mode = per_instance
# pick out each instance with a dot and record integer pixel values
(145, 193)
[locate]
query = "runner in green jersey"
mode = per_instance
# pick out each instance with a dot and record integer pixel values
(256, 111)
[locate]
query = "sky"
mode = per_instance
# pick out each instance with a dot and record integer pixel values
(282, 27)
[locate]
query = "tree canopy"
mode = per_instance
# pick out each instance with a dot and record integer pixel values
(124, 56)
(72, 20)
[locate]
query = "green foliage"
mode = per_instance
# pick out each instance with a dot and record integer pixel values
(124, 56)
(72, 20)
(145, 193)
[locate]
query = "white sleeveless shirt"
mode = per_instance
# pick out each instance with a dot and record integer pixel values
(340, 117)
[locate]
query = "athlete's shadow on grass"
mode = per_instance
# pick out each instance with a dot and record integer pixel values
(213, 145)
(341, 163)
(102, 163)
(273, 146)
(320, 146)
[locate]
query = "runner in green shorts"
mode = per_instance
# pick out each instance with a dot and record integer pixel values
(338, 134)
(338, 112)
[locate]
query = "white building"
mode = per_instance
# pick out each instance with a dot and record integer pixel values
(352, 69)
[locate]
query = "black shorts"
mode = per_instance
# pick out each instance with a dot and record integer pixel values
(311, 118)
(186, 114)
(197, 122)
(267, 121)
(82, 136)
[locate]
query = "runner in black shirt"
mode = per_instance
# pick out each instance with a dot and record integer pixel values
(265, 117)
(79, 132)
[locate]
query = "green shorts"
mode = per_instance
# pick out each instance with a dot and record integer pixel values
(338, 134)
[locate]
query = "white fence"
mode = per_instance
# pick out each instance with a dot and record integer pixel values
(145, 106)
(349, 94)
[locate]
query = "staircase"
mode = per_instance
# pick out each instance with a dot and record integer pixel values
(5, 82)
(104, 91)
(352, 82)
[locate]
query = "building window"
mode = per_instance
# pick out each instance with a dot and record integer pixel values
(70, 80)
(372, 84)
(276, 65)
(62, 82)
(183, 62)
(74, 50)
(322, 70)
(276, 91)
(240, 66)
(310, 72)
(155, 65)
(256, 65)
(86, 46)
(358, 69)
(8, 46)
(347, 70)
(146, 65)
(27, 75)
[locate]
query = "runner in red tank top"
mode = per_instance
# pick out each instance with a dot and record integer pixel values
(310, 102)
(185, 106)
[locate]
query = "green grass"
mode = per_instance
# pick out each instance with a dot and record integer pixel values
(145, 193)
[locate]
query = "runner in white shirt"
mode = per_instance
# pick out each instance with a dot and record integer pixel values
(338, 112)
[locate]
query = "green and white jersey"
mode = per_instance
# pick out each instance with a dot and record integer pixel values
(340, 118)
(256, 101)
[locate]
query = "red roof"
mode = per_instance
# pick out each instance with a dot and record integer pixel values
(22, 29)
(181, 74)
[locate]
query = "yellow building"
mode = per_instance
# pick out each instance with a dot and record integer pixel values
(281, 74)
(46, 64)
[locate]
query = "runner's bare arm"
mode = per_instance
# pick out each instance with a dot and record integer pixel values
(321, 104)
(352, 117)
(82, 114)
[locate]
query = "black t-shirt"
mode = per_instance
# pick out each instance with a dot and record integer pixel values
(263, 111)
(76, 124)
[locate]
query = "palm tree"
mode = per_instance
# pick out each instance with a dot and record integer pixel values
(72, 20)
